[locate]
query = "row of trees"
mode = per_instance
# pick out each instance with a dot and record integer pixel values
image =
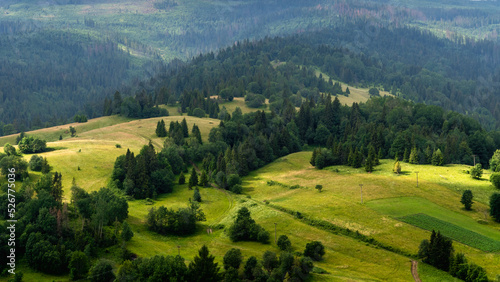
(439, 253)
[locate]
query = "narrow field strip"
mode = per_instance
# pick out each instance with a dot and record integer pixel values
(453, 231)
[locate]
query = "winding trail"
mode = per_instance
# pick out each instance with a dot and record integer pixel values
(414, 271)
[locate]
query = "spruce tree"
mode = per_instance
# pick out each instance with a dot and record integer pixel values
(196, 195)
(203, 268)
(193, 179)
(203, 179)
(414, 158)
(437, 158)
(182, 179)
(196, 133)
(405, 156)
(184, 128)
(161, 130)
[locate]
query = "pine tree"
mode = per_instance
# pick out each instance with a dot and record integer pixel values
(127, 233)
(196, 195)
(203, 179)
(182, 179)
(193, 180)
(405, 155)
(161, 130)
(196, 133)
(380, 156)
(437, 158)
(370, 160)
(203, 268)
(184, 127)
(56, 187)
(414, 156)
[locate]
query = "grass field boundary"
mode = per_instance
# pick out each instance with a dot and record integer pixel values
(455, 232)
(337, 230)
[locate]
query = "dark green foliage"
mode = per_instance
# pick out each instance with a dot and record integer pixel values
(232, 258)
(476, 172)
(101, 271)
(244, 228)
(495, 206)
(495, 161)
(196, 195)
(437, 252)
(319, 187)
(203, 268)
(284, 243)
(16, 162)
(437, 158)
(161, 130)
(195, 132)
(254, 100)
(315, 250)
(199, 113)
(184, 128)
(157, 268)
(495, 179)
(41, 254)
(32, 144)
(72, 130)
(414, 156)
(79, 265)
(203, 179)
(461, 269)
(181, 222)
(182, 179)
(18, 138)
(467, 199)
(374, 92)
(144, 175)
(127, 233)
(80, 118)
(35, 163)
(249, 267)
(269, 261)
(10, 150)
(193, 179)
(46, 168)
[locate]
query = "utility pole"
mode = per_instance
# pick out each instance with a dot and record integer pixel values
(179, 249)
(275, 241)
(417, 177)
(361, 188)
(474, 156)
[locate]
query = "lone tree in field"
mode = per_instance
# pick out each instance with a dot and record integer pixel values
(397, 167)
(319, 187)
(72, 130)
(196, 195)
(467, 199)
(476, 172)
(495, 206)
(315, 250)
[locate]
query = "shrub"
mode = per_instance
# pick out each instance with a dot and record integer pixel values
(467, 199)
(315, 250)
(495, 179)
(284, 243)
(476, 172)
(36, 163)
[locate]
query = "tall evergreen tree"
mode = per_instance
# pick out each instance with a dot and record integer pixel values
(196, 133)
(193, 179)
(161, 130)
(184, 128)
(203, 179)
(203, 268)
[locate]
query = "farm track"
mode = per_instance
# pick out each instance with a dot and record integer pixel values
(414, 271)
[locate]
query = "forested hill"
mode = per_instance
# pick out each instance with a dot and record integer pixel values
(407, 62)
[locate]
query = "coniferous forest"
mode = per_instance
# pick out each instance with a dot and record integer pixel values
(235, 138)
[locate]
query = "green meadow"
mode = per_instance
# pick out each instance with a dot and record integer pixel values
(89, 158)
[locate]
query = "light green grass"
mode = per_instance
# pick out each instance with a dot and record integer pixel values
(462, 235)
(240, 102)
(340, 200)
(428, 273)
(53, 133)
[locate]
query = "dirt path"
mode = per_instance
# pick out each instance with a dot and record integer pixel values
(414, 271)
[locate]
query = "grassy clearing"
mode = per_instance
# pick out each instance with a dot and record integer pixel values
(53, 133)
(453, 231)
(340, 202)
(240, 102)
